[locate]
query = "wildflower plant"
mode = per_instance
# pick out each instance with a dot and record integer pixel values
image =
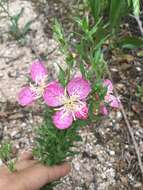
(67, 109)
(73, 100)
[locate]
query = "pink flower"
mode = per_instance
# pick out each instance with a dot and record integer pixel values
(109, 98)
(38, 71)
(103, 109)
(26, 96)
(29, 94)
(70, 102)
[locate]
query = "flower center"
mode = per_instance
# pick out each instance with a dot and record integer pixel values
(70, 103)
(39, 88)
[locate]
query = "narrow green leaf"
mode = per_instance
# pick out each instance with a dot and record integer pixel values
(95, 6)
(82, 69)
(27, 27)
(136, 7)
(62, 76)
(117, 7)
(131, 42)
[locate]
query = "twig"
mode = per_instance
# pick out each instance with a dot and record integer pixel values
(129, 127)
(137, 18)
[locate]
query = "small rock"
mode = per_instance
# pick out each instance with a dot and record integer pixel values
(15, 135)
(138, 69)
(112, 153)
(1, 75)
(77, 166)
(119, 115)
(138, 185)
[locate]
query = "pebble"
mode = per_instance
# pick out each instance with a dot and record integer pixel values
(138, 185)
(119, 115)
(77, 166)
(15, 135)
(1, 75)
(23, 124)
(138, 69)
(112, 153)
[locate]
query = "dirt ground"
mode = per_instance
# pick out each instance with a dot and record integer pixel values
(107, 159)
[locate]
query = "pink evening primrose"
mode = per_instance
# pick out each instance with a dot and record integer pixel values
(28, 94)
(70, 103)
(109, 99)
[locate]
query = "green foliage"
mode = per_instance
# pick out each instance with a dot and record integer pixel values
(14, 29)
(131, 42)
(136, 7)
(60, 37)
(53, 146)
(139, 92)
(88, 48)
(112, 12)
(5, 155)
(116, 12)
(17, 32)
(65, 49)
(97, 8)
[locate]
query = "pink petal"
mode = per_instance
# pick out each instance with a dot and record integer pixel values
(26, 96)
(38, 71)
(62, 120)
(82, 112)
(103, 110)
(113, 101)
(107, 83)
(53, 94)
(79, 87)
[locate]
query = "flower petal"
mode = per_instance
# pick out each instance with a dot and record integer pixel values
(82, 112)
(62, 120)
(53, 94)
(26, 96)
(38, 71)
(79, 87)
(103, 110)
(113, 101)
(107, 83)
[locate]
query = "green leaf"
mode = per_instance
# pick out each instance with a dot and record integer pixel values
(136, 7)
(83, 23)
(95, 6)
(131, 42)
(16, 17)
(27, 27)
(82, 69)
(117, 8)
(62, 76)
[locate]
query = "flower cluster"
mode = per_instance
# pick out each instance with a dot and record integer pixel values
(69, 103)
(109, 99)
